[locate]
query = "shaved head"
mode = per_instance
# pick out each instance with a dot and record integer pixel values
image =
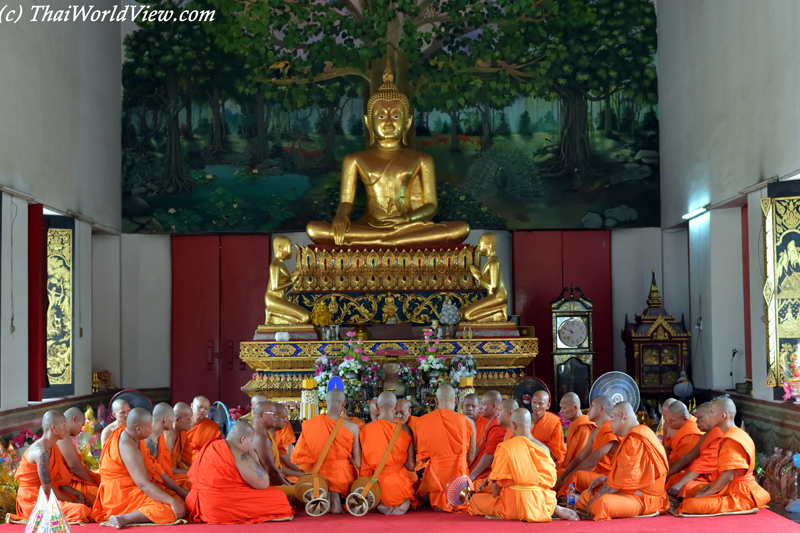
(493, 396)
(540, 403)
(702, 413)
(52, 417)
(490, 404)
(726, 405)
(570, 406)
(402, 411)
(520, 423)
(118, 405)
(200, 407)
(263, 406)
(623, 407)
(679, 409)
(446, 397)
(510, 404)
(182, 409)
(722, 413)
(257, 398)
(469, 397)
(470, 407)
(75, 420)
(335, 400)
(54, 426)
(703, 408)
(600, 409)
(183, 417)
(507, 407)
(667, 403)
(162, 410)
(72, 412)
(623, 419)
(604, 401)
(387, 400)
(139, 417)
(240, 430)
(572, 399)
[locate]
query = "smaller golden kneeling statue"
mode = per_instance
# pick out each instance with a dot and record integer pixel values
(278, 309)
(492, 307)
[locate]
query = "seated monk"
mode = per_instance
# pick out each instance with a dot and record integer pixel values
(471, 408)
(177, 439)
(163, 418)
(594, 461)
(397, 493)
(547, 426)
(698, 465)
(83, 480)
(230, 487)
(492, 405)
(667, 432)
(265, 445)
(285, 435)
(448, 440)
(522, 479)
(402, 412)
(42, 466)
(686, 436)
(580, 428)
(120, 409)
(203, 430)
(344, 457)
(735, 489)
(635, 484)
(285, 447)
(129, 492)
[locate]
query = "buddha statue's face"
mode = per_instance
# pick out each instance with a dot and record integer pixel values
(388, 121)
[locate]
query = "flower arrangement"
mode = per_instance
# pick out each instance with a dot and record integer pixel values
(429, 360)
(462, 366)
(325, 367)
(564, 424)
(793, 363)
(407, 375)
(25, 438)
(238, 412)
(353, 359)
(372, 375)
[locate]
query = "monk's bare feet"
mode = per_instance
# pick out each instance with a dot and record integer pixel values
(336, 503)
(117, 521)
(565, 513)
(402, 508)
(384, 509)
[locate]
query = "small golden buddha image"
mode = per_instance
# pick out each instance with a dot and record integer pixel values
(493, 306)
(400, 183)
(389, 311)
(278, 309)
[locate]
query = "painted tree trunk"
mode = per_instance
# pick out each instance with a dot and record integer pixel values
(328, 162)
(486, 125)
(174, 181)
(454, 147)
(262, 125)
(216, 137)
(189, 127)
(575, 153)
(607, 120)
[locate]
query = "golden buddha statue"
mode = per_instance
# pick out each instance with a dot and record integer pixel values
(399, 181)
(278, 309)
(493, 306)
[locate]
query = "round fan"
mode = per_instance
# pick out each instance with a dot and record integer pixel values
(220, 414)
(459, 489)
(525, 388)
(134, 398)
(619, 386)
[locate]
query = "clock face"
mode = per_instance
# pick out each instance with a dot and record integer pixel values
(572, 332)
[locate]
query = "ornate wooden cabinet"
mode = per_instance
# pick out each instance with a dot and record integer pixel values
(656, 346)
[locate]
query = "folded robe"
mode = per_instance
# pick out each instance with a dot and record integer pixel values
(736, 452)
(89, 490)
(202, 434)
(336, 468)
(583, 478)
(29, 483)
(706, 464)
(577, 437)
(443, 437)
(394, 482)
(118, 492)
(640, 465)
(165, 462)
(526, 474)
(493, 435)
(682, 443)
(220, 495)
(181, 454)
(549, 432)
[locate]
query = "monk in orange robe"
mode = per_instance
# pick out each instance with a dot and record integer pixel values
(686, 436)
(471, 408)
(120, 409)
(522, 479)
(493, 407)
(230, 487)
(547, 427)
(594, 461)
(669, 433)
(402, 412)
(164, 418)
(699, 465)
(344, 457)
(580, 428)
(203, 430)
(265, 445)
(81, 478)
(448, 440)
(177, 439)
(285, 435)
(43, 466)
(635, 485)
(397, 493)
(130, 492)
(735, 489)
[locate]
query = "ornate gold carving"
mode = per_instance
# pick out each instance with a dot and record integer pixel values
(59, 306)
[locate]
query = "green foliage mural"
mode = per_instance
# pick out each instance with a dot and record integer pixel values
(538, 113)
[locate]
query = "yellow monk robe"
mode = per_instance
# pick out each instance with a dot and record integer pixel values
(165, 462)
(493, 435)
(527, 474)
(181, 454)
(577, 437)
(682, 443)
(118, 492)
(202, 434)
(396, 487)
(583, 478)
(29, 483)
(705, 465)
(736, 452)
(480, 427)
(336, 468)
(640, 465)
(549, 432)
(219, 495)
(443, 437)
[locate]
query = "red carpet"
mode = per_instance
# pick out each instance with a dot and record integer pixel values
(429, 521)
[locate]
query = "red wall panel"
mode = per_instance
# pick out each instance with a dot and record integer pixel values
(37, 301)
(195, 317)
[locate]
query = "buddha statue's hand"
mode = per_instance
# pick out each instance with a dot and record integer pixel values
(398, 220)
(341, 224)
(475, 272)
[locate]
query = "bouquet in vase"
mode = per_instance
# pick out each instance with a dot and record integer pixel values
(462, 366)
(407, 375)
(325, 367)
(430, 359)
(25, 438)
(353, 358)
(372, 375)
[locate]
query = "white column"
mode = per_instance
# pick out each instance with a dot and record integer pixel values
(82, 309)
(758, 326)
(106, 319)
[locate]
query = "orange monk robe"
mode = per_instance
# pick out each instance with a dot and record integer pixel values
(202, 434)
(682, 443)
(526, 474)
(480, 427)
(639, 466)
(668, 440)
(165, 462)
(412, 423)
(493, 435)
(288, 490)
(357, 421)
(583, 478)
(181, 454)
(118, 492)
(736, 452)
(443, 437)
(336, 468)
(285, 438)
(706, 464)
(89, 490)
(29, 483)
(549, 432)
(577, 437)
(396, 487)
(219, 495)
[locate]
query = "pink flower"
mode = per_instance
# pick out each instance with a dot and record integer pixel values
(437, 341)
(431, 349)
(351, 333)
(420, 359)
(350, 342)
(349, 358)
(428, 333)
(443, 358)
(360, 341)
(358, 350)
(364, 358)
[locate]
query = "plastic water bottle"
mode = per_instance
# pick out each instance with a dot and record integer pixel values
(572, 497)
